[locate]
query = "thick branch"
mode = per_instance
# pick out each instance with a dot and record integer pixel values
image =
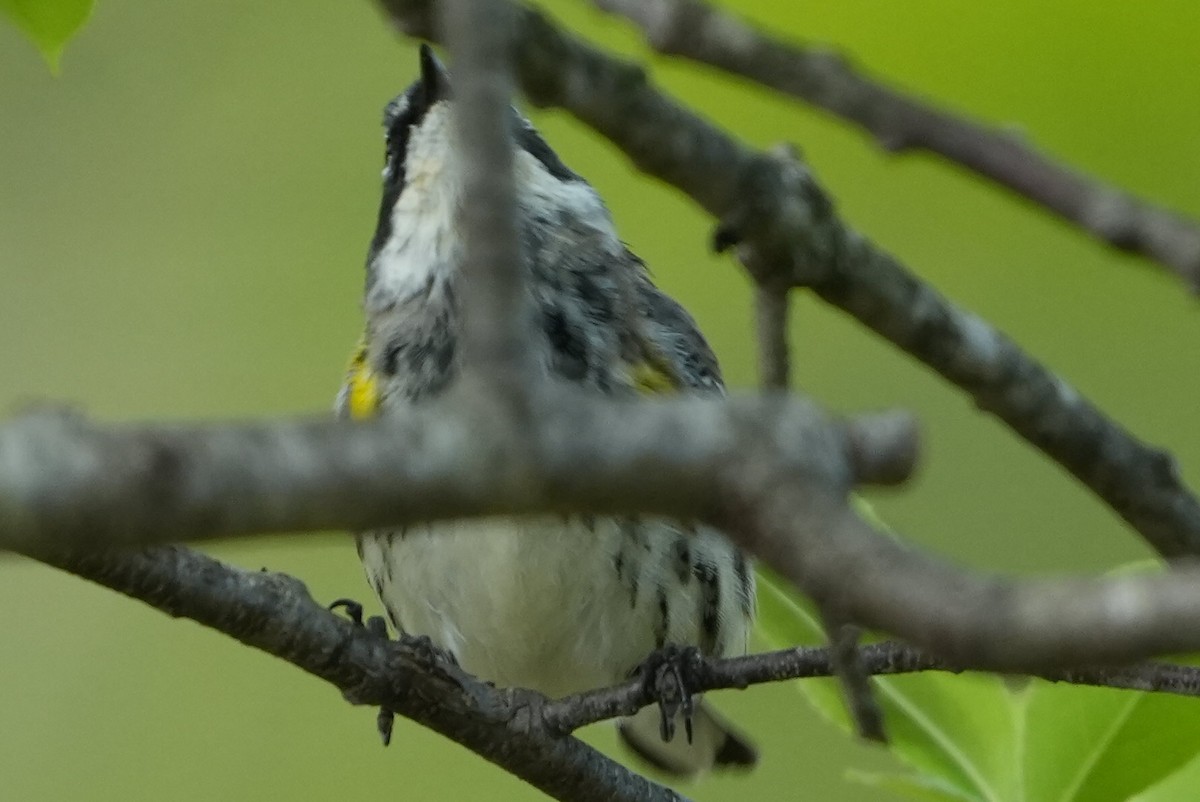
(695, 30)
(987, 622)
(275, 613)
(65, 482)
(773, 474)
(774, 203)
(496, 316)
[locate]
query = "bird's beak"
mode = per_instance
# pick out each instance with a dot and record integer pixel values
(434, 77)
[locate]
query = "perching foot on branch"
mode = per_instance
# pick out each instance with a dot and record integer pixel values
(386, 719)
(668, 674)
(435, 657)
(442, 663)
(354, 610)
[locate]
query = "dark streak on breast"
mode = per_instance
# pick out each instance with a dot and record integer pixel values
(682, 558)
(663, 625)
(628, 569)
(706, 573)
(745, 587)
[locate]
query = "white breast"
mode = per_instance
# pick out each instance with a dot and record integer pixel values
(423, 245)
(531, 603)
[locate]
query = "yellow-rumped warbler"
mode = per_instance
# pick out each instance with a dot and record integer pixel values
(557, 605)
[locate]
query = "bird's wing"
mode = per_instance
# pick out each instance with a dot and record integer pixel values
(672, 343)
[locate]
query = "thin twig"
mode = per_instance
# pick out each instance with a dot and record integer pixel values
(855, 680)
(776, 205)
(900, 122)
(771, 308)
(771, 315)
(887, 658)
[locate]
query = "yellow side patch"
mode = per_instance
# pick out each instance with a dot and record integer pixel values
(363, 395)
(650, 379)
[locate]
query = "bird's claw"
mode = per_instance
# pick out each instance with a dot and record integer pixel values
(386, 719)
(667, 674)
(429, 652)
(384, 722)
(354, 610)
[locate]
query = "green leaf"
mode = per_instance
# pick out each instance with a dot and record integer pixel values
(957, 731)
(1105, 744)
(913, 786)
(982, 738)
(1085, 743)
(960, 729)
(1179, 787)
(786, 619)
(48, 23)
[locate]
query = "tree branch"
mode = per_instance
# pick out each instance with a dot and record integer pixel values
(851, 671)
(773, 203)
(821, 546)
(276, 614)
(518, 730)
(771, 317)
(887, 658)
(772, 474)
(66, 482)
(771, 308)
(771, 314)
(496, 308)
(899, 122)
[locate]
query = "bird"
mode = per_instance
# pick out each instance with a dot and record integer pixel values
(559, 604)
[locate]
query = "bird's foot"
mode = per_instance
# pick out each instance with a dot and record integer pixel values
(386, 719)
(442, 663)
(668, 676)
(428, 652)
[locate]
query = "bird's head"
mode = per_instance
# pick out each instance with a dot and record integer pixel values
(422, 182)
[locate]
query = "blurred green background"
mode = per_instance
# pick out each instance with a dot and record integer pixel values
(183, 218)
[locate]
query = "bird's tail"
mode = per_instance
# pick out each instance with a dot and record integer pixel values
(715, 743)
